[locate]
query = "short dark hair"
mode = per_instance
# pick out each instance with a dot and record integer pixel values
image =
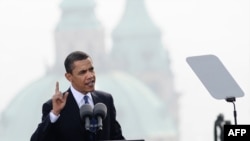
(72, 57)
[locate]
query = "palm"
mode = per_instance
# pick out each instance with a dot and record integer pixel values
(58, 100)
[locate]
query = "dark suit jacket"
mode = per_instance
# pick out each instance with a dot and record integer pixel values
(70, 127)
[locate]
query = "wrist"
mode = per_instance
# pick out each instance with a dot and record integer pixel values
(53, 117)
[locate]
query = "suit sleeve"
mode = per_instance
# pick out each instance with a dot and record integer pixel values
(44, 129)
(116, 131)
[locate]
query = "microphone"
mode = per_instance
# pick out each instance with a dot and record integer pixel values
(100, 112)
(86, 112)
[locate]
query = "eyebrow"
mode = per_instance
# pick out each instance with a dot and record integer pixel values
(85, 70)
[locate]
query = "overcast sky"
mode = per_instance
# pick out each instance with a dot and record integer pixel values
(189, 27)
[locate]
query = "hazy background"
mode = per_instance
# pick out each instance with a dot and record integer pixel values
(189, 27)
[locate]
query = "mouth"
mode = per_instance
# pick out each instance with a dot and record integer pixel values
(90, 83)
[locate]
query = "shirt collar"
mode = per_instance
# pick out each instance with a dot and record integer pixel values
(79, 96)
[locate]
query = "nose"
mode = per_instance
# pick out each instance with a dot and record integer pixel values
(91, 74)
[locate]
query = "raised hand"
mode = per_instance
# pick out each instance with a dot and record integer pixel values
(58, 100)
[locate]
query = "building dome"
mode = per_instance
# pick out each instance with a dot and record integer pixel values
(140, 113)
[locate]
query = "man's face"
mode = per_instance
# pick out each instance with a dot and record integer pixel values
(83, 76)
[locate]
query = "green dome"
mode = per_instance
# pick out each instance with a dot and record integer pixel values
(140, 113)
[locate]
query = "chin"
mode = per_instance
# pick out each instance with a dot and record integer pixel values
(91, 90)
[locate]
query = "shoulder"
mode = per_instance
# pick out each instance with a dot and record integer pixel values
(102, 93)
(47, 104)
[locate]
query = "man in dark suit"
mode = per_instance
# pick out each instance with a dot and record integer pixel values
(61, 119)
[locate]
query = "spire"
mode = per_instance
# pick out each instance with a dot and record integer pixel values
(135, 20)
(78, 29)
(137, 44)
(138, 50)
(77, 14)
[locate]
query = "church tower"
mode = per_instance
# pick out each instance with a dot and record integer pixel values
(78, 29)
(138, 50)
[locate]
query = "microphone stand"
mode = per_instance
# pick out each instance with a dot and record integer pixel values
(91, 135)
(232, 99)
(93, 132)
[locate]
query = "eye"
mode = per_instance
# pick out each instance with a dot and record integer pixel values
(82, 72)
(91, 69)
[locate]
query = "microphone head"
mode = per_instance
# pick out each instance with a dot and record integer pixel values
(86, 110)
(100, 109)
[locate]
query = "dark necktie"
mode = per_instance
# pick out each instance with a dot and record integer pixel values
(86, 99)
(93, 122)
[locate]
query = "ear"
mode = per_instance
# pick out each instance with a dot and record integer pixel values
(68, 76)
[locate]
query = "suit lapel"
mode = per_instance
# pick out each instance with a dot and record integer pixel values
(96, 99)
(71, 110)
(71, 102)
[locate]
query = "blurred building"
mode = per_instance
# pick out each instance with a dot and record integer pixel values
(136, 71)
(138, 50)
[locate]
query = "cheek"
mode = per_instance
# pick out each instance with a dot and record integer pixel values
(78, 83)
(80, 80)
(75, 80)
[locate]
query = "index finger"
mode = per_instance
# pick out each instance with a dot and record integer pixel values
(57, 86)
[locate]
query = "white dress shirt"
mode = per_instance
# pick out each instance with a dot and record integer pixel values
(79, 100)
